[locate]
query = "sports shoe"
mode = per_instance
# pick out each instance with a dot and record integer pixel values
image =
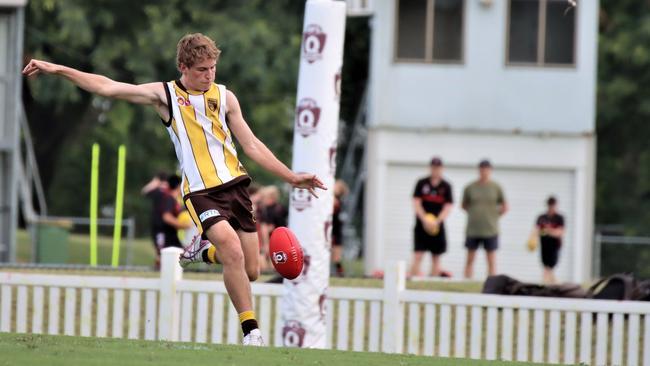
(193, 253)
(254, 338)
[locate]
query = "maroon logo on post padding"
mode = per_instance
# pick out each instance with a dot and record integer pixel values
(328, 233)
(332, 159)
(293, 333)
(321, 304)
(306, 262)
(307, 117)
(313, 43)
(300, 199)
(337, 84)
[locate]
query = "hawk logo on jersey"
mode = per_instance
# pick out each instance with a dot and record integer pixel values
(300, 199)
(313, 43)
(212, 104)
(307, 117)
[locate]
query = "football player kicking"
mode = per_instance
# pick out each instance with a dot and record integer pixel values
(201, 117)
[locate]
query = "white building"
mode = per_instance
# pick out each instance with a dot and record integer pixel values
(513, 81)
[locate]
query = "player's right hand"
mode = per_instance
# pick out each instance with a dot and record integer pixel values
(35, 66)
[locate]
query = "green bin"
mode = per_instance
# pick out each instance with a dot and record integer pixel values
(52, 242)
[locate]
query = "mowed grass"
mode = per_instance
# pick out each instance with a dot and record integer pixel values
(78, 248)
(21, 349)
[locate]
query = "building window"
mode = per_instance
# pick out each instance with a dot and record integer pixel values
(541, 32)
(429, 30)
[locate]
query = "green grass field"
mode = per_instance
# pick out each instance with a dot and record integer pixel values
(21, 349)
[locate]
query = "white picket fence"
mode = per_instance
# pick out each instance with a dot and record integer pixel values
(392, 319)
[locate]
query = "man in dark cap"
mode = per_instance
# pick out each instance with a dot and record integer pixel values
(484, 202)
(432, 202)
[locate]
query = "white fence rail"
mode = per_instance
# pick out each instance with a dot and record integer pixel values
(391, 319)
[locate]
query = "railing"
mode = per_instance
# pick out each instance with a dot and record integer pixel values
(614, 254)
(392, 319)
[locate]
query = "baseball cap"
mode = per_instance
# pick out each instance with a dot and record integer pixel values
(485, 164)
(436, 161)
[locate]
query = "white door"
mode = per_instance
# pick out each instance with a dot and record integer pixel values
(526, 191)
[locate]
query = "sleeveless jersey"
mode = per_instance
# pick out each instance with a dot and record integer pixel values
(202, 140)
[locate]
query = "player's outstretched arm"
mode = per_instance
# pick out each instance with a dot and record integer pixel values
(261, 154)
(152, 94)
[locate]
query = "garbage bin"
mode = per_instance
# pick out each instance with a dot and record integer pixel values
(52, 242)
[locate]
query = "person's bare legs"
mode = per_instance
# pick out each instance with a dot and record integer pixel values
(549, 277)
(251, 247)
(336, 253)
(491, 256)
(230, 254)
(415, 266)
(469, 264)
(435, 265)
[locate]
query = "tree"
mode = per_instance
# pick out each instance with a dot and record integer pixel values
(623, 127)
(260, 41)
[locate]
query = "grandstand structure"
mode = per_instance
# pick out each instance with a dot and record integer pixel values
(11, 51)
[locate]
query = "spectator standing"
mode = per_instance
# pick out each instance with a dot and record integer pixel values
(340, 191)
(272, 214)
(550, 229)
(169, 211)
(485, 203)
(432, 203)
(155, 190)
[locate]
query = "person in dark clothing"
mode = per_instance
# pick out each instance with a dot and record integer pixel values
(340, 191)
(550, 229)
(432, 202)
(166, 211)
(272, 214)
(154, 190)
(170, 208)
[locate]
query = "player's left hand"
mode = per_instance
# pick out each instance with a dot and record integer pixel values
(309, 182)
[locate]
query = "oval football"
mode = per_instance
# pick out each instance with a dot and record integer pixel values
(286, 253)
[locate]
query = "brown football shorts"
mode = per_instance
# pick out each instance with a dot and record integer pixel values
(232, 204)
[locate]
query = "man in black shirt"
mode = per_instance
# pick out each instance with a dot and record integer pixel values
(550, 228)
(167, 209)
(432, 196)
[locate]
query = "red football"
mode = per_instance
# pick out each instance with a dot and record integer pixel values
(285, 253)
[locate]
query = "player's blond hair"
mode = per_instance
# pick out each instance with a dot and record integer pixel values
(194, 48)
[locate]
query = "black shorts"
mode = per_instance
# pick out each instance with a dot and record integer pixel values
(162, 240)
(232, 204)
(550, 254)
(423, 242)
(337, 236)
(490, 244)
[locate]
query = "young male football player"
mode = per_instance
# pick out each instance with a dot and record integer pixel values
(201, 117)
